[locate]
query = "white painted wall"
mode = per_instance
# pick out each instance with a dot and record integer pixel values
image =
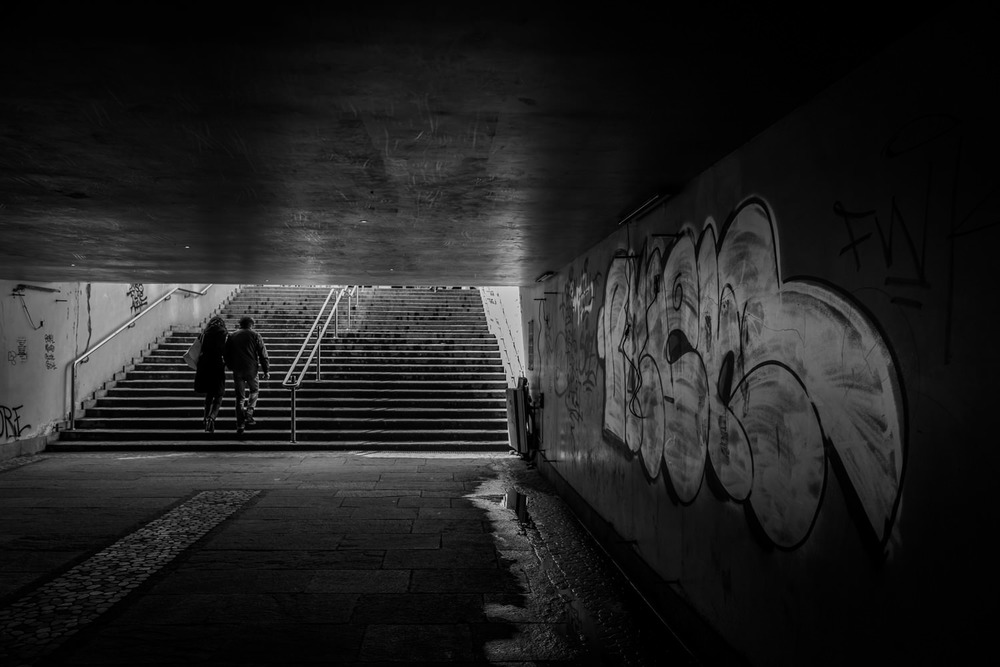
(503, 314)
(43, 331)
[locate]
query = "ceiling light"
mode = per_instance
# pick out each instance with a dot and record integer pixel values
(545, 276)
(645, 206)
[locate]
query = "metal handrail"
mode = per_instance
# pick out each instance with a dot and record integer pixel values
(85, 357)
(316, 352)
(288, 382)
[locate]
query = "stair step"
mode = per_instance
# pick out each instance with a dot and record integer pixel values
(306, 400)
(334, 374)
(281, 421)
(161, 362)
(333, 382)
(262, 431)
(415, 368)
(392, 411)
(254, 442)
(386, 390)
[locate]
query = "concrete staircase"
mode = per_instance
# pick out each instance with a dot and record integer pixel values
(417, 369)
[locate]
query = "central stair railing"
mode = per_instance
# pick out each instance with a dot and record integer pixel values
(317, 347)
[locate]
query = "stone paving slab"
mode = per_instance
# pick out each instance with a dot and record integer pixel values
(12, 582)
(360, 581)
(448, 526)
(410, 608)
(353, 559)
(261, 539)
(271, 523)
(424, 501)
(422, 643)
(213, 558)
(470, 557)
(383, 512)
(188, 581)
(389, 540)
(166, 609)
(210, 644)
(464, 581)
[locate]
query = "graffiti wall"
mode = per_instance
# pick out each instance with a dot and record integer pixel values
(770, 386)
(716, 368)
(44, 327)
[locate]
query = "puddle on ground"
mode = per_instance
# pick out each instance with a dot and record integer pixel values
(601, 636)
(517, 501)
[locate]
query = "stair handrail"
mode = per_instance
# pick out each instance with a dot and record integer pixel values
(85, 357)
(288, 382)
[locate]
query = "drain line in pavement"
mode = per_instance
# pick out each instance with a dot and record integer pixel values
(43, 618)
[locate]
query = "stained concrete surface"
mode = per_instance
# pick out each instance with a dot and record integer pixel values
(306, 558)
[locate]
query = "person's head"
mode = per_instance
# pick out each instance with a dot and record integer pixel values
(216, 321)
(246, 322)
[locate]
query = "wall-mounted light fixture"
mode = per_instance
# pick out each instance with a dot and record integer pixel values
(545, 276)
(18, 292)
(19, 289)
(645, 206)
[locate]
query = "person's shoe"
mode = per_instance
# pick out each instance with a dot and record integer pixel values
(210, 425)
(249, 420)
(239, 430)
(205, 423)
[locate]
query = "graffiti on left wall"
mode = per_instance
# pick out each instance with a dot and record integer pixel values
(50, 352)
(10, 422)
(138, 295)
(716, 368)
(20, 355)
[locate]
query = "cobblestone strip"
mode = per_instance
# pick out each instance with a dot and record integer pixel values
(38, 622)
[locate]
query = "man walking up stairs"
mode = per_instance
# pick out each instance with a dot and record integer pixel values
(246, 356)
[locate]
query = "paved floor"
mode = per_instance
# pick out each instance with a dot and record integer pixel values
(289, 558)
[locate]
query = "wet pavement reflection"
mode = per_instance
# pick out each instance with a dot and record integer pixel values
(305, 558)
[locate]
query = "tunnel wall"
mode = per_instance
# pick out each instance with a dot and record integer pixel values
(502, 307)
(44, 330)
(768, 395)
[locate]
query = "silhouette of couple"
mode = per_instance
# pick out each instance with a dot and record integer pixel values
(245, 354)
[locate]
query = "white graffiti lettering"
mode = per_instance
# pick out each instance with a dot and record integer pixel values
(733, 373)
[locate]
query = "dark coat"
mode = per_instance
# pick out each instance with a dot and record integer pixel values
(246, 353)
(210, 376)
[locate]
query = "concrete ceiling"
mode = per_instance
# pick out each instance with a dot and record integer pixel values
(425, 143)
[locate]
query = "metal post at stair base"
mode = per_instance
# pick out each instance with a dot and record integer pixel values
(293, 415)
(319, 357)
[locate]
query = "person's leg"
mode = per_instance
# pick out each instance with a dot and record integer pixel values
(216, 406)
(254, 386)
(212, 409)
(238, 383)
(208, 410)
